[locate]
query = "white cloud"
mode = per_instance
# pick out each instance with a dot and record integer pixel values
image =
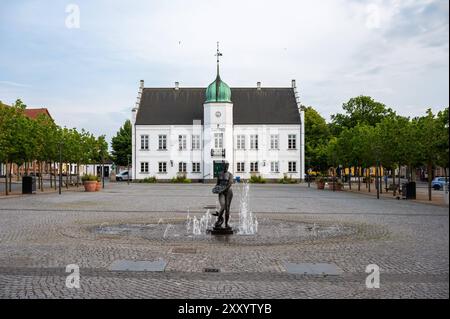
(336, 49)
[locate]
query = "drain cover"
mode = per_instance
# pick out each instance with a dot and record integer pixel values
(184, 250)
(312, 269)
(211, 270)
(132, 265)
(210, 207)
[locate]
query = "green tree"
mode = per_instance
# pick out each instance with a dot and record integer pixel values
(121, 144)
(430, 143)
(360, 110)
(317, 136)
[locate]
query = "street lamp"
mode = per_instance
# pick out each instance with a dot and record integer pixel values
(128, 164)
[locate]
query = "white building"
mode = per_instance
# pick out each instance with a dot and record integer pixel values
(185, 130)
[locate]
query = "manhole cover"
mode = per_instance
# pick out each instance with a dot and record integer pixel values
(184, 250)
(312, 269)
(144, 265)
(211, 270)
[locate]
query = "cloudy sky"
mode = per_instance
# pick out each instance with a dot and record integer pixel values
(87, 71)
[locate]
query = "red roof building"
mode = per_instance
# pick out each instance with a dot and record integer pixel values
(34, 113)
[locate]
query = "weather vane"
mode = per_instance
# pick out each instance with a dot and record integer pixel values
(218, 54)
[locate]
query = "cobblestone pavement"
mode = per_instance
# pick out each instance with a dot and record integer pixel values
(40, 235)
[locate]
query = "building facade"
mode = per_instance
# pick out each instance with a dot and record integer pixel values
(259, 131)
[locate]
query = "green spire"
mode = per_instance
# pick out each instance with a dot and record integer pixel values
(218, 91)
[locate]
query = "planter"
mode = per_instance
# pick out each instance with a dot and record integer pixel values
(90, 186)
(320, 185)
(98, 186)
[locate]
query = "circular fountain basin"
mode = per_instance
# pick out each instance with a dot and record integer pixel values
(270, 231)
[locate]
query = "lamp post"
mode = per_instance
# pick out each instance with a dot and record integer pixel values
(128, 164)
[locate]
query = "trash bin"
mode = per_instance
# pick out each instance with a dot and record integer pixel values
(28, 184)
(238, 179)
(409, 190)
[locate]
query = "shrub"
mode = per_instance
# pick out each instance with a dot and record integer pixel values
(287, 180)
(181, 179)
(148, 180)
(89, 178)
(256, 179)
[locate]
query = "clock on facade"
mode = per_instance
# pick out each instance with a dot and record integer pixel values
(218, 114)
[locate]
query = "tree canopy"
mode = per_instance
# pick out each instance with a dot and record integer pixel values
(121, 144)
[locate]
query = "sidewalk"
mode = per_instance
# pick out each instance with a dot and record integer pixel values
(48, 190)
(421, 194)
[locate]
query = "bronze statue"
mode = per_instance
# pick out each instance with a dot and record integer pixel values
(223, 189)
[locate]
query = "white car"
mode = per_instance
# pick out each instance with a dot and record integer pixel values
(123, 176)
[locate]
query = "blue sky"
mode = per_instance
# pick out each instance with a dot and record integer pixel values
(397, 51)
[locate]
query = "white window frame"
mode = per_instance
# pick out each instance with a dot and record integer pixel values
(274, 167)
(274, 142)
(162, 142)
(240, 142)
(254, 141)
(144, 167)
(218, 140)
(292, 167)
(196, 142)
(292, 141)
(196, 167)
(254, 167)
(145, 142)
(182, 142)
(182, 167)
(162, 167)
(240, 167)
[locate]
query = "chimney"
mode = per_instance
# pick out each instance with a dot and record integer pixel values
(294, 85)
(258, 85)
(177, 85)
(142, 84)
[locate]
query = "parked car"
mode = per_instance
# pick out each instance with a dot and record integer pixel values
(438, 183)
(123, 176)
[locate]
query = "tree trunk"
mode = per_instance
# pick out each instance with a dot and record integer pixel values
(78, 175)
(393, 178)
(369, 180)
(6, 179)
(430, 178)
(380, 178)
(67, 176)
(50, 175)
(54, 176)
(10, 176)
(41, 183)
(359, 178)
(350, 178)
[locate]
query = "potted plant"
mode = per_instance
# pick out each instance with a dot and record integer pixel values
(99, 185)
(89, 182)
(320, 182)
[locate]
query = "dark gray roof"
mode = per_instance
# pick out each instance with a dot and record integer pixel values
(167, 106)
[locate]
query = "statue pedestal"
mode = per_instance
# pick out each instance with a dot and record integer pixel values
(219, 231)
